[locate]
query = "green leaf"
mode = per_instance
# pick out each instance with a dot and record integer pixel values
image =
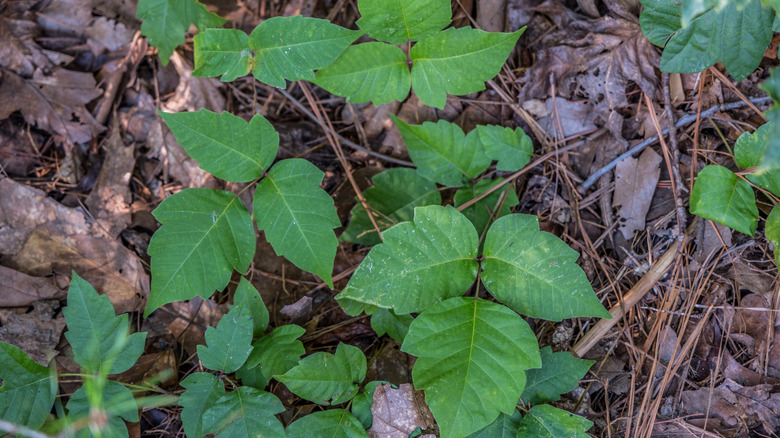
(222, 52)
(559, 374)
(336, 423)
(771, 159)
(545, 421)
(298, 217)
(229, 344)
(248, 297)
(386, 321)
(400, 21)
(277, 352)
(98, 336)
(205, 234)
(419, 264)
(368, 72)
(772, 231)
(202, 390)
(393, 197)
(116, 399)
(535, 273)
(505, 426)
(166, 21)
(458, 61)
(442, 152)
(27, 389)
(293, 47)
(721, 196)
(472, 355)
(325, 378)
(748, 152)
(362, 403)
(244, 412)
(493, 206)
(738, 38)
(226, 145)
(511, 149)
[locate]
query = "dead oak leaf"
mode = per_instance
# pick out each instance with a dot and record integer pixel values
(635, 181)
(53, 103)
(594, 59)
(734, 404)
(398, 412)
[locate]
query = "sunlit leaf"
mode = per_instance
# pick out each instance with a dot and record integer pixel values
(205, 234)
(326, 378)
(368, 72)
(298, 217)
(419, 264)
(442, 152)
(472, 356)
(399, 21)
(535, 273)
(721, 196)
(458, 61)
(225, 145)
(511, 148)
(293, 47)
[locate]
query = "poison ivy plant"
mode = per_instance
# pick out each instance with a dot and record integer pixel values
(164, 22)
(206, 234)
(545, 421)
(279, 49)
(272, 355)
(771, 157)
(244, 412)
(721, 196)
(229, 344)
(736, 35)
(559, 374)
(27, 389)
(335, 423)
(326, 378)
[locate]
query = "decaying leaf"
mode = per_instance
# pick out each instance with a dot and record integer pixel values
(635, 181)
(18, 30)
(37, 332)
(734, 404)
(74, 19)
(109, 201)
(398, 412)
(39, 236)
(19, 289)
(53, 103)
(594, 59)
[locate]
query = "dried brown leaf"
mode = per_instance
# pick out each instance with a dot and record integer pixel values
(594, 59)
(53, 103)
(635, 181)
(734, 404)
(36, 332)
(398, 412)
(109, 201)
(19, 289)
(39, 236)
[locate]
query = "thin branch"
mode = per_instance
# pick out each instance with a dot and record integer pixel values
(680, 123)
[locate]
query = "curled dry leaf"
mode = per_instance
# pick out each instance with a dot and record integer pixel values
(36, 332)
(594, 59)
(19, 289)
(53, 103)
(39, 236)
(398, 412)
(635, 181)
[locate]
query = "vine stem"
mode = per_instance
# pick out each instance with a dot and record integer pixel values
(334, 142)
(680, 123)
